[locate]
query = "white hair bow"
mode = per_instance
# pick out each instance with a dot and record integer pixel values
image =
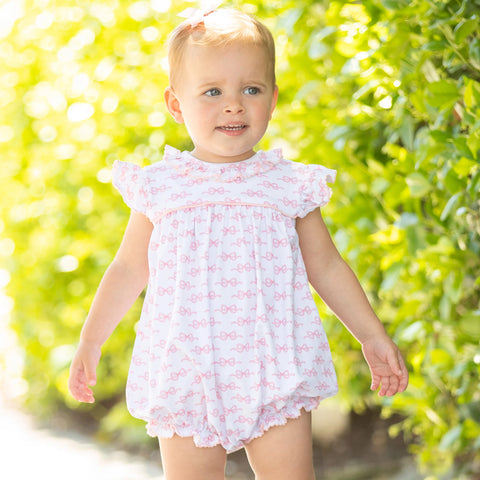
(195, 16)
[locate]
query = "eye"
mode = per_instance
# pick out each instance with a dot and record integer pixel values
(251, 91)
(213, 92)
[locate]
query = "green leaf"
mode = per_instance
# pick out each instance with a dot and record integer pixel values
(413, 332)
(461, 146)
(442, 94)
(406, 220)
(453, 286)
(474, 52)
(464, 29)
(451, 437)
(465, 167)
(395, 4)
(471, 96)
(391, 276)
(453, 183)
(450, 206)
(470, 325)
(419, 185)
(407, 132)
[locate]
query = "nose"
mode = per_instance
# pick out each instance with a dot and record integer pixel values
(233, 105)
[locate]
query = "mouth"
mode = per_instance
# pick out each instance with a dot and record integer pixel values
(232, 128)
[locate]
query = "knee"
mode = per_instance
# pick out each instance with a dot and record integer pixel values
(269, 469)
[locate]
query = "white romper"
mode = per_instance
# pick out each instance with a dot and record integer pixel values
(229, 342)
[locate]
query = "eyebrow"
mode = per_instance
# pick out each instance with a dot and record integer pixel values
(216, 83)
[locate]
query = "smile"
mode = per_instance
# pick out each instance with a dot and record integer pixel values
(232, 128)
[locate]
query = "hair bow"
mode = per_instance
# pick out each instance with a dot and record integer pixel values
(195, 16)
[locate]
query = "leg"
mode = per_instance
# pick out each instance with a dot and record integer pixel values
(284, 452)
(183, 460)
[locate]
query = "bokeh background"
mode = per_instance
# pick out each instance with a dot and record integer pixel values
(386, 92)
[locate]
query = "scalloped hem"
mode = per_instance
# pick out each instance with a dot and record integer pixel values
(206, 436)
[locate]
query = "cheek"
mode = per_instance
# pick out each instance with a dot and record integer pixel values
(198, 113)
(263, 113)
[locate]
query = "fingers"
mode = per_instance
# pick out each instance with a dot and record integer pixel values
(394, 378)
(394, 362)
(91, 375)
(404, 375)
(82, 376)
(77, 384)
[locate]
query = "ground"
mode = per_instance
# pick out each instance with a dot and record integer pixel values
(45, 453)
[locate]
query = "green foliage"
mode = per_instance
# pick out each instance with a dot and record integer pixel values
(387, 92)
(391, 97)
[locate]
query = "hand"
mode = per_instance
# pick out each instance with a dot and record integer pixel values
(386, 365)
(83, 372)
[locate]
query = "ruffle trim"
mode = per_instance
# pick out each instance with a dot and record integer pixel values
(186, 164)
(128, 180)
(315, 191)
(185, 425)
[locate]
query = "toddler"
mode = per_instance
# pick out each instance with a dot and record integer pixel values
(230, 350)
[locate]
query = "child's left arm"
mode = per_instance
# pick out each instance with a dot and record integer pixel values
(338, 286)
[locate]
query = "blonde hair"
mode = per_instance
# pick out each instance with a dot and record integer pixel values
(221, 28)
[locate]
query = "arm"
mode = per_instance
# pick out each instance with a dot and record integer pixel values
(338, 286)
(121, 285)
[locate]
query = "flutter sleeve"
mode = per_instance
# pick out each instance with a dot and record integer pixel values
(129, 180)
(314, 191)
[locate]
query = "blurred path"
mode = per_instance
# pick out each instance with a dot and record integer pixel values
(30, 453)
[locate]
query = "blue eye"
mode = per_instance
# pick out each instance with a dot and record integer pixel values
(251, 91)
(213, 92)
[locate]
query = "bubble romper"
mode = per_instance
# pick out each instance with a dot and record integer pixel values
(229, 342)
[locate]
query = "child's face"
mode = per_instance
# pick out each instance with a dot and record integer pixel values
(226, 98)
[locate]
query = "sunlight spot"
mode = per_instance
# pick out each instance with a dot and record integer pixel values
(10, 12)
(47, 134)
(104, 14)
(157, 119)
(104, 175)
(80, 83)
(65, 151)
(110, 104)
(6, 133)
(386, 102)
(85, 132)
(7, 247)
(161, 6)
(104, 69)
(150, 34)
(66, 54)
(82, 39)
(78, 112)
(5, 278)
(139, 10)
(45, 20)
(67, 263)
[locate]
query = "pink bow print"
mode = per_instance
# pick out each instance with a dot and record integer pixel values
(195, 16)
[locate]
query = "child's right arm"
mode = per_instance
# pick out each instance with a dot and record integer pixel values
(121, 285)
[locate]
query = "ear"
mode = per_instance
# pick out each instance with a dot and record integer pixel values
(274, 100)
(173, 105)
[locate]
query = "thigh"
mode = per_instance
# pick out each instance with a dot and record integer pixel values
(284, 452)
(183, 460)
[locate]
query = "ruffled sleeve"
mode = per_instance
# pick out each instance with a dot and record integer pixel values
(314, 191)
(129, 180)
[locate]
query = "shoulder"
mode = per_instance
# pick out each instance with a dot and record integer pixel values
(309, 171)
(122, 168)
